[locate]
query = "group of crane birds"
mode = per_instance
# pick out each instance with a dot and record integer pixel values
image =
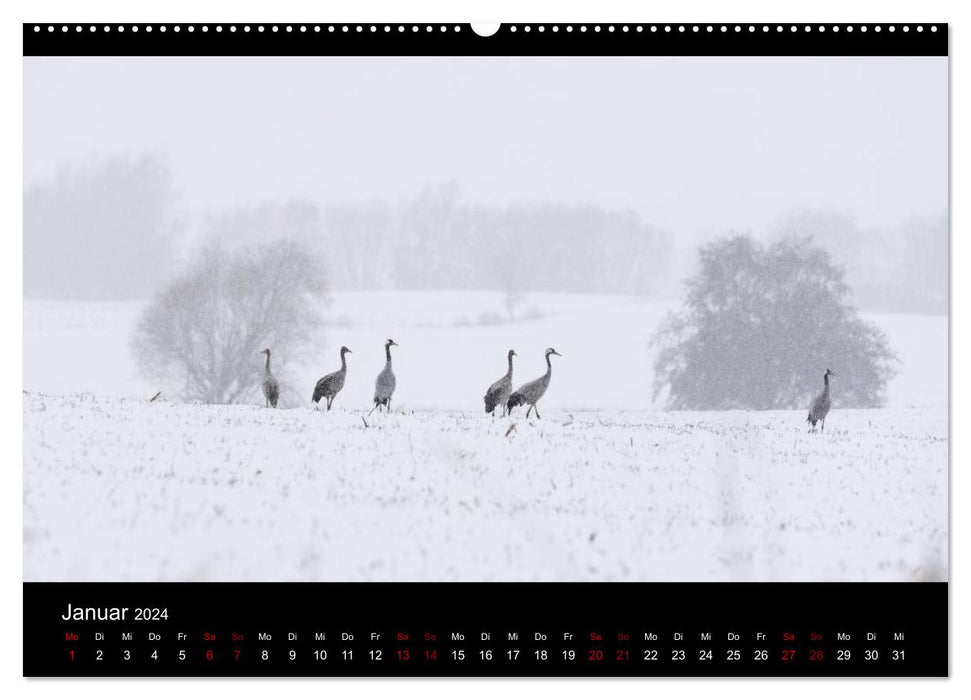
(329, 386)
(500, 394)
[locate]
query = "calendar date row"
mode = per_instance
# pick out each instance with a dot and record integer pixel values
(405, 655)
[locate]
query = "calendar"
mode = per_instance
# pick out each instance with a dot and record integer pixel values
(525, 349)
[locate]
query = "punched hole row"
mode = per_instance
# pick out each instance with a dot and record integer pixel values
(513, 28)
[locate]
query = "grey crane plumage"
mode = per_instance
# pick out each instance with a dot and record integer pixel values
(329, 385)
(385, 384)
(821, 405)
(499, 392)
(271, 388)
(531, 392)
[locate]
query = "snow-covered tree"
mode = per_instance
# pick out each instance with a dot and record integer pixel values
(759, 327)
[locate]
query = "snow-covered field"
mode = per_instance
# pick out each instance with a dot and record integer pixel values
(119, 489)
(604, 487)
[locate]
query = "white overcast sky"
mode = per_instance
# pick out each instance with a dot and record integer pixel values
(696, 145)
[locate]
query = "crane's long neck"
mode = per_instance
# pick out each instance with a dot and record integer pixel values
(826, 385)
(343, 362)
(387, 354)
(549, 365)
(267, 363)
(509, 372)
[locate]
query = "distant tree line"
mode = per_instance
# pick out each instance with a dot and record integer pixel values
(111, 229)
(101, 230)
(901, 268)
(438, 241)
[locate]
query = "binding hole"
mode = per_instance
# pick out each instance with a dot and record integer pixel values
(486, 29)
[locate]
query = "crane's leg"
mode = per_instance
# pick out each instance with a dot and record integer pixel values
(535, 408)
(528, 411)
(388, 405)
(330, 400)
(822, 426)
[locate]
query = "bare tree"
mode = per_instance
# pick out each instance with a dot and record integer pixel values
(202, 336)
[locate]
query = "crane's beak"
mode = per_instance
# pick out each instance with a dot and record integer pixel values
(556, 353)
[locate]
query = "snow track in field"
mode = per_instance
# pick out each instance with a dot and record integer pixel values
(118, 489)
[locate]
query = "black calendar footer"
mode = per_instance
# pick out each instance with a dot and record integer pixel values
(485, 629)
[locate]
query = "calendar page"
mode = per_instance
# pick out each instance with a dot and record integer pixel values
(515, 350)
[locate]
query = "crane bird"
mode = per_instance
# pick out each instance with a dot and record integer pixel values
(271, 388)
(498, 393)
(533, 391)
(821, 405)
(329, 386)
(384, 386)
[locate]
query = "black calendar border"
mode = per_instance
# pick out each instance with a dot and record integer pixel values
(380, 39)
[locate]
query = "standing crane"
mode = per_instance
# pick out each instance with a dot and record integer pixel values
(821, 405)
(331, 384)
(498, 393)
(271, 388)
(533, 391)
(384, 386)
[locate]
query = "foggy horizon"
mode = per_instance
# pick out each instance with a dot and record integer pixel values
(696, 146)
